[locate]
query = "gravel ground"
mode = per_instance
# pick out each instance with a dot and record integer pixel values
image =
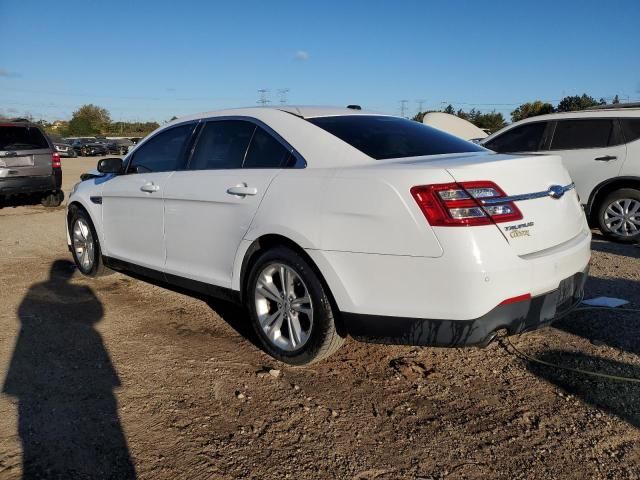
(117, 378)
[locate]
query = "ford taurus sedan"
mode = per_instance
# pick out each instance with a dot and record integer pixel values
(329, 222)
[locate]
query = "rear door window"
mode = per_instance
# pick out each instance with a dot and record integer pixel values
(592, 133)
(266, 152)
(21, 137)
(525, 138)
(630, 129)
(222, 144)
(163, 152)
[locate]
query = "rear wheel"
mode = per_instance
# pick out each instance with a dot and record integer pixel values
(290, 308)
(619, 215)
(53, 199)
(85, 246)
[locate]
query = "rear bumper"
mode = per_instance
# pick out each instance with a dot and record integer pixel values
(21, 185)
(514, 318)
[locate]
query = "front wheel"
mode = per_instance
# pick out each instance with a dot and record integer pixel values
(619, 215)
(290, 308)
(85, 246)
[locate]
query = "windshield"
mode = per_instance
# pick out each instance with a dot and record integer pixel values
(383, 137)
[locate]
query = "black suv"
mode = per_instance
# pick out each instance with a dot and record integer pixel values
(28, 163)
(86, 147)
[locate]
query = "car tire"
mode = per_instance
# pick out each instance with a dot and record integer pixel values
(619, 214)
(292, 330)
(53, 199)
(84, 241)
(83, 153)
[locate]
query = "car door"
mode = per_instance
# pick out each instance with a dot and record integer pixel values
(592, 149)
(132, 203)
(210, 205)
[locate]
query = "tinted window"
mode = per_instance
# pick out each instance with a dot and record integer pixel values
(163, 152)
(391, 137)
(630, 128)
(21, 138)
(525, 138)
(573, 134)
(266, 152)
(222, 144)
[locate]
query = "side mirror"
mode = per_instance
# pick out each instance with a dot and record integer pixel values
(110, 165)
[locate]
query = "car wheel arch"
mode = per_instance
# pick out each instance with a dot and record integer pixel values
(605, 188)
(269, 241)
(79, 205)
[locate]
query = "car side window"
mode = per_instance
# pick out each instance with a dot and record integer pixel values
(525, 138)
(576, 134)
(222, 144)
(630, 129)
(163, 152)
(267, 152)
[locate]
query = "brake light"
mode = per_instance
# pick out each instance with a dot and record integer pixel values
(55, 160)
(462, 204)
(519, 298)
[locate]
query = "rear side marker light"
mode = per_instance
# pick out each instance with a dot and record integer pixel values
(460, 204)
(519, 298)
(55, 160)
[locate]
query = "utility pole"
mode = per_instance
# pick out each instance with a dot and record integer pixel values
(282, 92)
(263, 100)
(420, 105)
(403, 108)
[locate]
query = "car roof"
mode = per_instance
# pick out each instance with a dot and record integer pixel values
(595, 113)
(302, 111)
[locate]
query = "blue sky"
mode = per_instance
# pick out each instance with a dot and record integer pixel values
(150, 60)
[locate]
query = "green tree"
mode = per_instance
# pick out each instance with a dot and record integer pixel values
(449, 109)
(492, 121)
(576, 102)
(531, 109)
(616, 100)
(89, 120)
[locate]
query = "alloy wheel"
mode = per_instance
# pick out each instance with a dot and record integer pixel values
(622, 217)
(83, 244)
(283, 307)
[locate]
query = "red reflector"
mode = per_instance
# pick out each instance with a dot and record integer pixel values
(461, 204)
(55, 160)
(519, 298)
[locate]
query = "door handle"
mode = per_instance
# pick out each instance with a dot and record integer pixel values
(242, 190)
(150, 187)
(606, 158)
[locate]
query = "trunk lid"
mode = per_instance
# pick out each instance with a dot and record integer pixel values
(547, 221)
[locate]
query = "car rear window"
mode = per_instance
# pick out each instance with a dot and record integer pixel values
(19, 137)
(383, 137)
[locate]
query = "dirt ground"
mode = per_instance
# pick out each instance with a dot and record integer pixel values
(117, 378)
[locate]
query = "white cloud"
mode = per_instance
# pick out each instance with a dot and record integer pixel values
(301, 55)
(7, 73)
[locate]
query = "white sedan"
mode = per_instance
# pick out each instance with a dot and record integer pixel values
(328, 222)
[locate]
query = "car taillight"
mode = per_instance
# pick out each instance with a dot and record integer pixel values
(461, 204)
(55, 160)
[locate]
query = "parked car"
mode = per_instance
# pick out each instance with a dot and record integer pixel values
(326, 222)
(29, 165)
(601, 150)
(62, 146)
(87, 147)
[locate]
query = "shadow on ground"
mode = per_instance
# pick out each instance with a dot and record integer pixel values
(63, 380)
(617, 397)
(611, 327)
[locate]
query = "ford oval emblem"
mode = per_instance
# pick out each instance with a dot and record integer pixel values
(556, 191)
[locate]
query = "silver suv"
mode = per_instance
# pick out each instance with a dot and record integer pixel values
(29, 165)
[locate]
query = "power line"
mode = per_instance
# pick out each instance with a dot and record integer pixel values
(403, 108)
(282, 93)
(263, 100)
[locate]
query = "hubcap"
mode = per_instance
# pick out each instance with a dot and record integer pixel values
(83, 244)
(622, 217)
(284, 307)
